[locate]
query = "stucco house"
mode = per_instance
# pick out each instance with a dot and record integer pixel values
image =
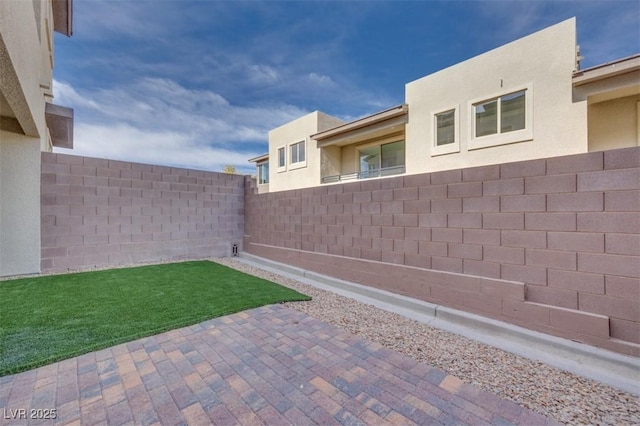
(29, 122)
(525, 100)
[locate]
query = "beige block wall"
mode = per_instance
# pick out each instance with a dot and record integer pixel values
(566, 228)
(614, 124)
(544, 61)
(99, 213)
(20, 204)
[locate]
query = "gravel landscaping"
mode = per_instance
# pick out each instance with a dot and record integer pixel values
(564, 396)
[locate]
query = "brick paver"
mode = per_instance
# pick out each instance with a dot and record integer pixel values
(271, 365)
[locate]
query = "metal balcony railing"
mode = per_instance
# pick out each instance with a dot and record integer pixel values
(368, 174)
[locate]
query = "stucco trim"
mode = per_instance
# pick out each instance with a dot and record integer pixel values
(60, 124)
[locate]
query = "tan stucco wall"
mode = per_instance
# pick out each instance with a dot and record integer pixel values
(330, 162)
(349, 164)
(614, 124)
(294, 176)
(544, 61)
(20, 204)
(26, 63)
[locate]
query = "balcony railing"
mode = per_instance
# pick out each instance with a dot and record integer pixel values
(368, 174)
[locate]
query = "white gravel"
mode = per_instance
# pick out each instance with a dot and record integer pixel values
(566, 397)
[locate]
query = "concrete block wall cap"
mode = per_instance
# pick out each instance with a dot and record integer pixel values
(601, 365)
(578, 349)
(619, 370)
(266, 262)
(419, 306)
(614, 369)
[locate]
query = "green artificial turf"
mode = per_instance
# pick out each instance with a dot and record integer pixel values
(50, 318)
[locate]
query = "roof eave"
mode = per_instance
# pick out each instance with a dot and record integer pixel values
(63, 16)
(607, 70)
(369, 120)
(262, 157)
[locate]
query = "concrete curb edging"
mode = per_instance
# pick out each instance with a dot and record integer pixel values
(613, 369)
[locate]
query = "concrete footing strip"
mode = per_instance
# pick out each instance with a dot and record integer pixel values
(613, 369)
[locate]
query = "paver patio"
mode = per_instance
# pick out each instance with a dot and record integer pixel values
(271, 365)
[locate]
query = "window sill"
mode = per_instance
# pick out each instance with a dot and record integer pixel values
(452, 148)
(501, 139)
(299, 165)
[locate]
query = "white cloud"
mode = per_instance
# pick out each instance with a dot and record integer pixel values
(262, 74)
(65, 94)
(321, 80)
(127, 143)
(132, 19)
(159, 121)
(245, 53)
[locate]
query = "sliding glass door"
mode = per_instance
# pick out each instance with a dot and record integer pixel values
(381, 160)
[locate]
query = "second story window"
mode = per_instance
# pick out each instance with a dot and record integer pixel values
(445, 132)
(445, 128)
(502, 119)
(500, 115)
(297, 152)
(281, 157)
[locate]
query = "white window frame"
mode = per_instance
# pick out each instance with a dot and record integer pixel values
(496, 139)
(297, 164)
(450, 148)
(259, 173)
(282, 168)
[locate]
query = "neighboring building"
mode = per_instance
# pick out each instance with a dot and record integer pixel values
(29, 122)
(612, 93)
(288, 146)
(262, 172)
(524, 100)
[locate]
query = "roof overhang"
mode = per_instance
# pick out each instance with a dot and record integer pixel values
(385, 123)
(63, 16)
(60, 123)
(613, 80)
(18, 115)
(259, 159)
(607, 70)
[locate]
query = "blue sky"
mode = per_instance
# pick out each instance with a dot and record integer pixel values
(200, 83)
